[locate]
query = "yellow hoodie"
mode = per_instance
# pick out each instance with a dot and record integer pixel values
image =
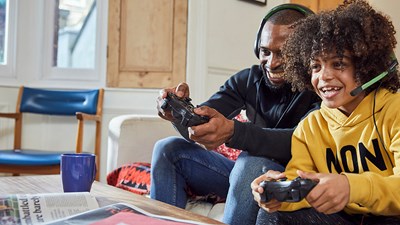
(327, 141)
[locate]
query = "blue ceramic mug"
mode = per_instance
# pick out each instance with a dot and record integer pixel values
(78, 171)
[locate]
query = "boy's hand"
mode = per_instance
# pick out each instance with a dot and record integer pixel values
(273, 205)
(331, 194)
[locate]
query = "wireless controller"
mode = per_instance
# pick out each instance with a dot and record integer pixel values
(287, 191)
(182, 111)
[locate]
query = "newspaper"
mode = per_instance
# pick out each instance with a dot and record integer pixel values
(32, 209)
(121, 213)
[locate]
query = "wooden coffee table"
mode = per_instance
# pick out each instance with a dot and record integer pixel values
(105, 195)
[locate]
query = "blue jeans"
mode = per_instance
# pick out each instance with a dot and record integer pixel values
(240, 207)
(178, 165)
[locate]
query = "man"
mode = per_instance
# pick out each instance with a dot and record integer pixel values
(273, 110)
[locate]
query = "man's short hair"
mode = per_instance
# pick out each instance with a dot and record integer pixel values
(286, 17)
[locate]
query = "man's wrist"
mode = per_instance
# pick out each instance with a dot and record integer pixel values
(231, 131)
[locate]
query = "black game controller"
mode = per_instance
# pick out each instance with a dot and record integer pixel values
(287, 191)
(182, 111)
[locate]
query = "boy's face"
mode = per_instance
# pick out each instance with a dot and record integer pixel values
(333, 79)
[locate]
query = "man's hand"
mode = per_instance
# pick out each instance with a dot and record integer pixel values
(331, 194)
(214, 133)
(273, 205)
(182, 90)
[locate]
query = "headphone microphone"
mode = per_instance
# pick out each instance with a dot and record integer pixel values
(368, 84)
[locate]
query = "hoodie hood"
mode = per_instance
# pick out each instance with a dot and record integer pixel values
(364, 111)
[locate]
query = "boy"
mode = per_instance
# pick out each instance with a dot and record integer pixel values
(351, 145)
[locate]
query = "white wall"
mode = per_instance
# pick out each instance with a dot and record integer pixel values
(231, 32)
(220, 42)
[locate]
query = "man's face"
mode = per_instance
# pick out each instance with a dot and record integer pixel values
(272, 39)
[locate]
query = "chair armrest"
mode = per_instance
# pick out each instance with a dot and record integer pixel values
(131, 138)
(85, 116)
(10, 115)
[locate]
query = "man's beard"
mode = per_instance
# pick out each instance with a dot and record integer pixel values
(275, 88)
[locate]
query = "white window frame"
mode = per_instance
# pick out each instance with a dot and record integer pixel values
(7, 70)
(51, 73)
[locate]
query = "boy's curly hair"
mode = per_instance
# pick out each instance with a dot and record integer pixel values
(354, 26)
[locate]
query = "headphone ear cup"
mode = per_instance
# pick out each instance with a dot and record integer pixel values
(257, 41)
(256, 49)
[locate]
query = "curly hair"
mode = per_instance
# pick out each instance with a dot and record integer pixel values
(354, 26)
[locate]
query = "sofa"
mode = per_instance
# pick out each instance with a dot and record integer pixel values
(131, 139)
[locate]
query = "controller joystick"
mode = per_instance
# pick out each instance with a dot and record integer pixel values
(287, 191)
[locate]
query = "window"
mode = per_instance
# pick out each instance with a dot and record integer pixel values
(7, 44)
(3, 29)
(73, 44)
(74, 39)
(57, 43)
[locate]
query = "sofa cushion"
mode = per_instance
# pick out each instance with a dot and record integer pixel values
(135, 177)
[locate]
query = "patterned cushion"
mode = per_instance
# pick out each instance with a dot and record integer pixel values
(133, 177)
(231, 153)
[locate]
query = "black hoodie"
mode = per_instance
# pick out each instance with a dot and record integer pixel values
(273, 113)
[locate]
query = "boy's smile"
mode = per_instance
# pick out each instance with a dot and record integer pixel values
(333, 78)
